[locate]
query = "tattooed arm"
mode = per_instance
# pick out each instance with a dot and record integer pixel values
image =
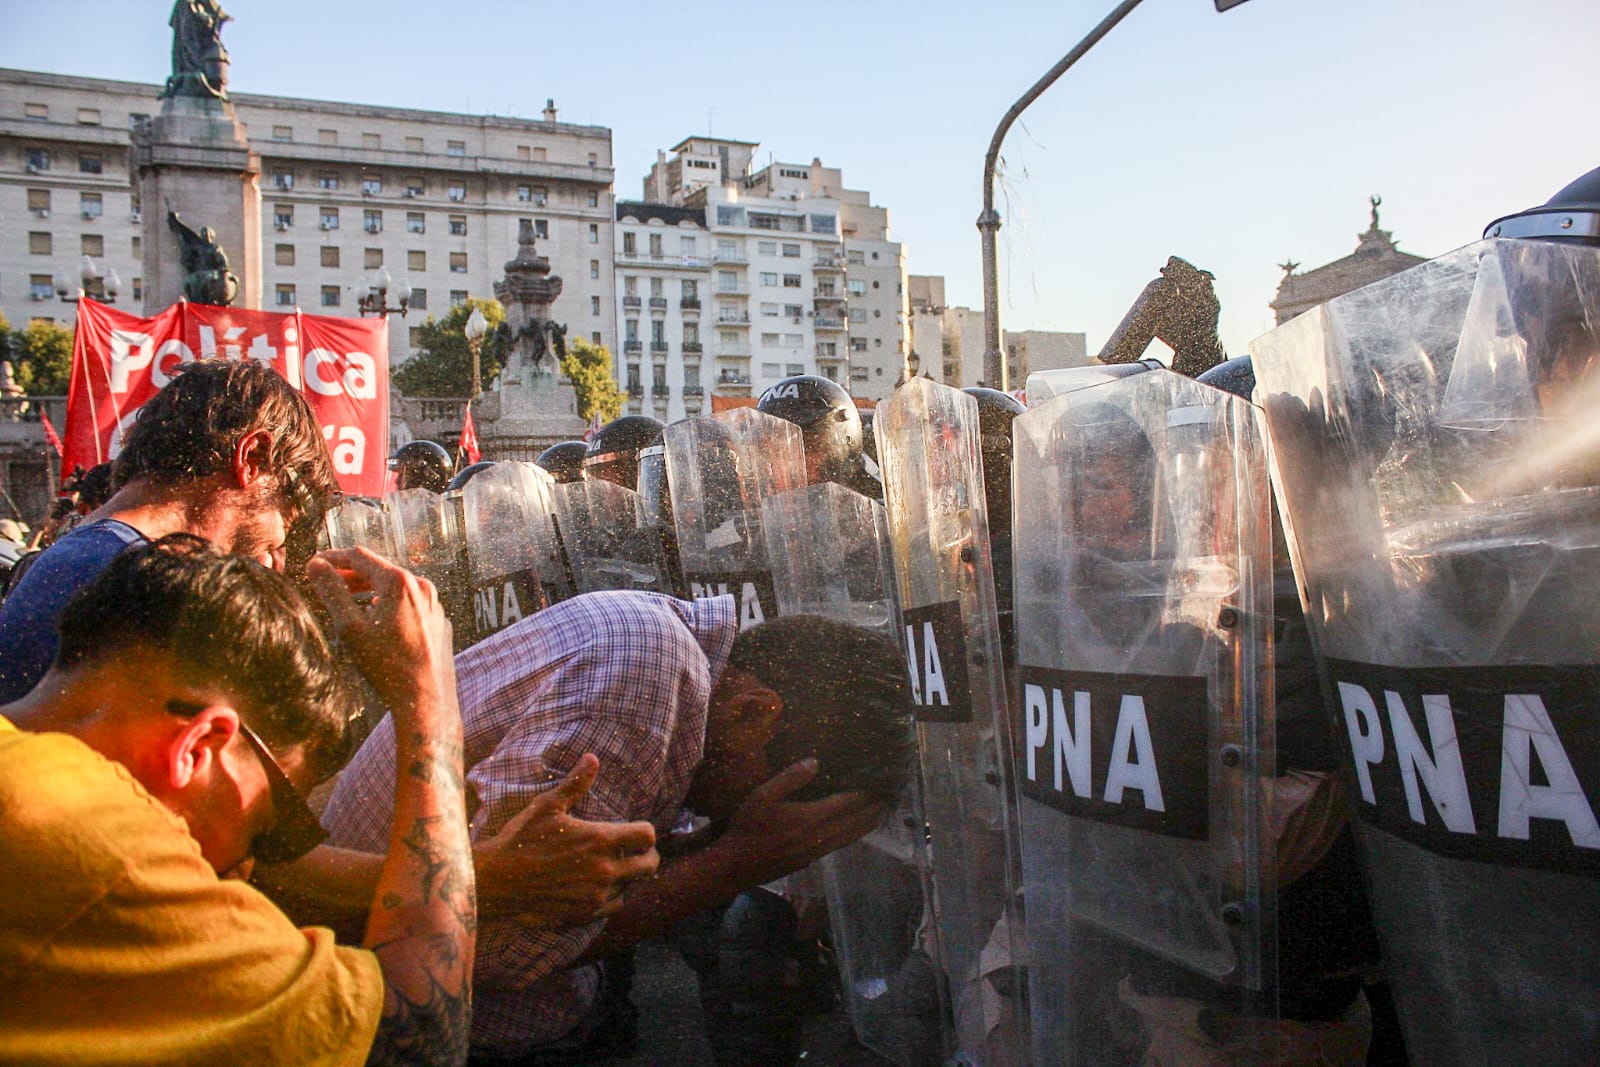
(424, 917)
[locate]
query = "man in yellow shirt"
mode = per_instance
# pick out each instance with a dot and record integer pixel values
(193, 702)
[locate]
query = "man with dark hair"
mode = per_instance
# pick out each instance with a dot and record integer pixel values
(193, 704)
(683, 711)
(229, 451)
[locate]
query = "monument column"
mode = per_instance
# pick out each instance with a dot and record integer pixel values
(193, 159)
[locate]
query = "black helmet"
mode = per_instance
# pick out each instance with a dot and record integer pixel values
(422, 465)
(1573, 214)
(469, 472)
(614, 452)
(826, 416)
(1236, 376)
(564, 461)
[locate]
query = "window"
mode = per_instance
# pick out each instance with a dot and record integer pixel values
(630, 243)
(283, 179)
(791, 281)
(771, 370)
(791, 369)
(858, 315)
(823, 224)
(794, 311)
(328, 179)
(856, 257)
(691, 333)
(769, 278)
(594, 305)
(594, 159)
(832, 372)
(283, 133)
(791, 251)
(658, 377)
(770, 340)
(327, 136)
(858, 374)
(727, 281)
(858, 344)
(630, 285)
(594, 268)
(283, 295)
(39, 202)
(538, 154)
(594, 233)
(458, 297)
(89, 163)
(330, 296)
(416, 222)
(691, 375)
(416, 259)
(794, 340)
(39, 244)
(525, 193)
(458, 225)
(372, 258)
(88, 116)
(771, 311)
(90, 206)
(594, 198)
(40, 286)
(415, 187)
(419, 299)
(857, 287)
(655, 246)
(658, 333)
(630, 330)
(458, 263)
(371, 186)
(283, 255)
(372, 221)
(328, 218)
(136, 246)
(414, 335)
(827, 349)
(767, 248)
(371, 140)
(658, 288)
(93, 244)
(524, 152)
(686, 247)
(413, 144)
(595, 337)
(282, 216)
(330, 255)
(138, 288)
(36, 112)
(541, 196)
(455, 148)
(38, 159)
(457, 191)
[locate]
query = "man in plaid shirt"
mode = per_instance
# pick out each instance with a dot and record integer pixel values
(681, 710)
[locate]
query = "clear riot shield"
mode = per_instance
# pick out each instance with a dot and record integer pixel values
(1044, 386)
(1435, 461)
(357, 523)
(929, 448)
(604, 539)
(830, 556)
(1143, 585)
(720, 469)
(514, 564)
(424, 534)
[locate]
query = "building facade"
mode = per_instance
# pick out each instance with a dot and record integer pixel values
(433, 198)
(948, 341)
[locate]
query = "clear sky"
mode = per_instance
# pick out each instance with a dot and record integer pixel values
(1236, 140)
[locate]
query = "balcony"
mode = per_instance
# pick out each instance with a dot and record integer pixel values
(828, 353)
(690, 303)
(729, 255)
(635, 389)
(658, 303)
(732, 292)
(658, 347)
(739, 351)
(691, 347)
(660, 390)
(733, 318)
(632, 347)
(631, 302)
(828, 324)
(694, 390)
(727, 378)
(828, 263)
(827, 293)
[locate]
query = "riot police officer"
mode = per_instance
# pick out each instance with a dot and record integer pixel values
(469, 472)
(564, 461)
(831, 424)
(614, 451)
(422, 465)
(995, 412)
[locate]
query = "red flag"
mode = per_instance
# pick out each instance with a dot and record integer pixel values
(469, 439)
(50, 434)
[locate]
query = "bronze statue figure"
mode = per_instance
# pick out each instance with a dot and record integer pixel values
(1180, 308)
(206, 277)
(199, 62)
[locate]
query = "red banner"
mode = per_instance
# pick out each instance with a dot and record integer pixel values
(341, 367)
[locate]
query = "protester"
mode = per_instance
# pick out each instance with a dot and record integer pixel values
(229, 451)
(681, 713)
(154, 764)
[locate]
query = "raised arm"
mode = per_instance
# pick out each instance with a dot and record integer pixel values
(422, 924)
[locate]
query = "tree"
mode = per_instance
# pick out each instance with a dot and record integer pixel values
(441, 361)
(588, 367)
(42, 357)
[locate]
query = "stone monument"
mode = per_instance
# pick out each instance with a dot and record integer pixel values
(197, 179)
(1375, 258)
(537, 405)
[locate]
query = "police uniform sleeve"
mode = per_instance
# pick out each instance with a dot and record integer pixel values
(121, 945)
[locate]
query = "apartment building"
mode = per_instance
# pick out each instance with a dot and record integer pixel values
(949, 341)
(663, 266)
(803, 275)
(434, 199)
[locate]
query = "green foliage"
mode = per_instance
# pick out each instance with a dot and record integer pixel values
(588, 367)
(441, 362)
(41, 356)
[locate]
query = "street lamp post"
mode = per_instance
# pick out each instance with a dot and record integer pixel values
(475, 329)
(372, 295)
(88, 274)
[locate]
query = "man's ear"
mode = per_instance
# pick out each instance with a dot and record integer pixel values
(193, 752)
(249, 458)
(755, 712)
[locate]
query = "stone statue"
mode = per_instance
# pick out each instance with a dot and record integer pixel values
(206, 277)
(199, 62)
